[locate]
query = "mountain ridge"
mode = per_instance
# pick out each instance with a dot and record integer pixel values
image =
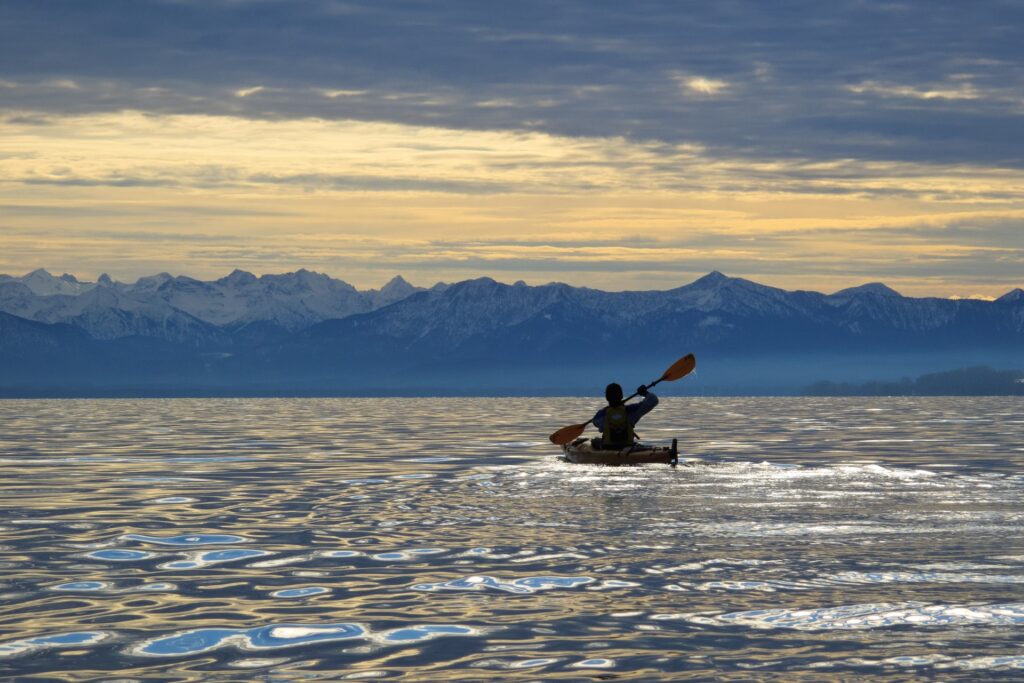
(306, 331)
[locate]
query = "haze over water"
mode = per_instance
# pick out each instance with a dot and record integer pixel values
(442, 539)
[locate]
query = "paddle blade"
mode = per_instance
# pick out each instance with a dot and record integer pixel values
(681, 368)
(567, 434)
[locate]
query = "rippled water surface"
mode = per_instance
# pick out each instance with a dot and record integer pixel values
(442, 539)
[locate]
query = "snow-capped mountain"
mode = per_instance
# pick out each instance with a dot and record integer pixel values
(308, 330)
(871, 288)
(484, 322)
(720, 294)
(183, 309)
(395, 290)
(293, 300)
(108, 311)
(42, 283)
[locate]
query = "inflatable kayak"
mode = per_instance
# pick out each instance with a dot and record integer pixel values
(582, 451)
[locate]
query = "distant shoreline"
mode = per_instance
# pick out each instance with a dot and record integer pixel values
(974, 381)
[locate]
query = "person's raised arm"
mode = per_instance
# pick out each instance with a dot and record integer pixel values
(638, 410)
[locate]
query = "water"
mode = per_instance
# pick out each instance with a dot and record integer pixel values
(434, 539)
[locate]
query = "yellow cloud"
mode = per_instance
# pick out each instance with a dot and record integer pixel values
(245, 92)
(701, 84)
(335, 94)
(362, 197)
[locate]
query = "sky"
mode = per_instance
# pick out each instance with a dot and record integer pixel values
(619, 145)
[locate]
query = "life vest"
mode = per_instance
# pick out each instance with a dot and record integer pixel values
(618, 430)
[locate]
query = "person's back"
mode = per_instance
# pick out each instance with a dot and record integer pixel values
(616, 421)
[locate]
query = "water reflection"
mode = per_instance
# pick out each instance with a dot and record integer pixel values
(206, 558)
(807, 538)
(870, 615)
(530, 584)
(120, 555)
(75, 639)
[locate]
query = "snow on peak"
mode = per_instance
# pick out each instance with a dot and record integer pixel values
(303, 280)
(105, 280)
(292, 300)
(396, 289)
(42, 283)
(397, 282)
(718, 292)
(152, 281)
(486, 282)
(311, 276)
(712, 279)
(876, 288)
(237, 278)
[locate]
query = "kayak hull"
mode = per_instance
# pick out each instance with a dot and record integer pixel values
(582, 451)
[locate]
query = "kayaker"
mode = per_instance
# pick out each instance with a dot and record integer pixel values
(616, 421)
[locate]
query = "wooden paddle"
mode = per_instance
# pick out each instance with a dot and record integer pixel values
(681, 368)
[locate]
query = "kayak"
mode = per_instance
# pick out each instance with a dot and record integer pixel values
(582, 451)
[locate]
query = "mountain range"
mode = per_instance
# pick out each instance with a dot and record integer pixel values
(308, 333)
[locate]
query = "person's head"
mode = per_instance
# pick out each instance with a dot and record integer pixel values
(613, 392)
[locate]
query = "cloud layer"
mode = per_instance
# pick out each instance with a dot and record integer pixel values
(591, 141)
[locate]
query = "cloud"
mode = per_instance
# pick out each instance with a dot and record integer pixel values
(759, 131)
(915, 259)
(957, 91)
(136, 149)
(702, 85)
(109, 181)
(335, 94)
(380, 183)
(245, 92)
(809, 88)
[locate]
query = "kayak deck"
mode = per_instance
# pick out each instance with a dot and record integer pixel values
(582, 451)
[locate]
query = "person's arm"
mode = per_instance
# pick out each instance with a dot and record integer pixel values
(638, 410)
(598, 420)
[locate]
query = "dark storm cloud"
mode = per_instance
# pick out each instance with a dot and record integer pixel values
(909, 81)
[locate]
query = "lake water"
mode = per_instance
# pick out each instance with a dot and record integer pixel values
(442, 539)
